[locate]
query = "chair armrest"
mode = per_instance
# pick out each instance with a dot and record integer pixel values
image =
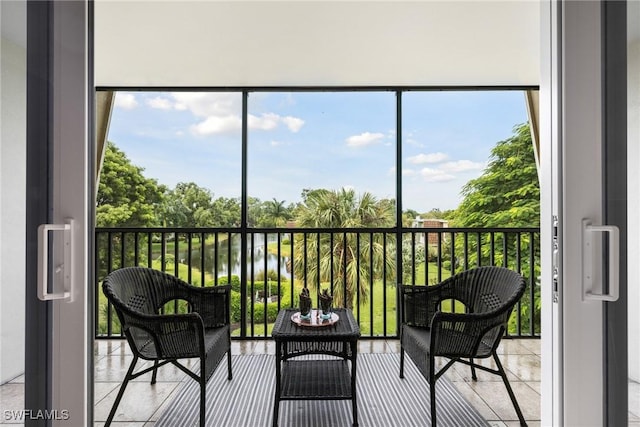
(463, 334)
(420, 303)
(212, 303)
(418, 307)
(166, 335)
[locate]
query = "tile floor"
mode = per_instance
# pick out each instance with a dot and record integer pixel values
(521, 359)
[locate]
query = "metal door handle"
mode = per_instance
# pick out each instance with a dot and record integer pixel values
(587, 261)
(43, 261)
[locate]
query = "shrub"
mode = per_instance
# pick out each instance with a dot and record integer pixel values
(258, 312)
(274, 289)
(235, 307)
(271, 275)
(235, 282)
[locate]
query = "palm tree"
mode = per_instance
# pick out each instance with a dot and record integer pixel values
(355, 260)
(276, 212)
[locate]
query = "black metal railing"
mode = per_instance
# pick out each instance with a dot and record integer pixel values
(267, 268)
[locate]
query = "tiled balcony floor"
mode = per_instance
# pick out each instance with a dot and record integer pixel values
(521, 359)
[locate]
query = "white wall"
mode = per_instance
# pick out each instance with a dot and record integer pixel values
(12, 200)
(316, 43)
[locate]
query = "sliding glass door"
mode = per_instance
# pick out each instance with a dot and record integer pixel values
(58, 200)
(584, 213)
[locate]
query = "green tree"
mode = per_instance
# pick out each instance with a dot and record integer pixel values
(408, 216)
(255, 212)
(276, 213)
(436, 213)
(225, 212)
(125, 197)
(272, 213)
(189, 205)
(507, 194)
(343, 209)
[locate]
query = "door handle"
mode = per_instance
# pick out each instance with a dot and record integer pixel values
(66, 267)
(588, 261)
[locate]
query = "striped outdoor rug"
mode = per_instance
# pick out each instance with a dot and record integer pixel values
(384, 400)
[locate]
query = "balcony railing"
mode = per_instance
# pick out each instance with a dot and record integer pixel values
(267, 268)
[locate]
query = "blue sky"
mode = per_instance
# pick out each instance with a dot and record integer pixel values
(307, 140)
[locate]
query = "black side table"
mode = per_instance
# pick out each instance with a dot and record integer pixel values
(316, 379)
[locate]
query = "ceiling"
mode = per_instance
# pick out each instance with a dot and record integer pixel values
(316, 43)
(308, 43)
(288, 43)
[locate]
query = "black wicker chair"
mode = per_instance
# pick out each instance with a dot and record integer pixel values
(489, 295)
(138, 295)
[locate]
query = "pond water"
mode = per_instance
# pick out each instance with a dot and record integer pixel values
(228, 258)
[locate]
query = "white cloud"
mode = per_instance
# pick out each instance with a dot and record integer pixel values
(205, 104)
(266, 121)
(293, 123)
(276, 143)
(270, 121)
(222, 113)
(427, 158)
(461, 166)
(217, 125)
(364, 139)
(159, 103)
(126, 101)
(444, 172)
(436, 175)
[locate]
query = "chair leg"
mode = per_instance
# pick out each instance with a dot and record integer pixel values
(509, 390)
(127, 377)
(155, 372)
(473, 370)
(432, 389)
(230, 375)
(203, 392)
(401, 362)
(432, 392)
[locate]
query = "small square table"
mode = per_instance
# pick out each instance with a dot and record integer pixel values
(328, 378)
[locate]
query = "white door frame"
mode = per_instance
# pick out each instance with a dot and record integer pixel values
(60, 172)
(72, 352)
(574, 355)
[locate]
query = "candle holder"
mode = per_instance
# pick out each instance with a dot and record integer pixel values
(326, 300)
(305, 304)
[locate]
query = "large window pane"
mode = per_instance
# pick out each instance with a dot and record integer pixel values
(447, 139)
(300, 142)
(468, 162)
(190, 143)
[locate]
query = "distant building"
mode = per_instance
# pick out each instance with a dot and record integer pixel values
(429, 223)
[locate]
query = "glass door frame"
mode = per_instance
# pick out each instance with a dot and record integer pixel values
(59, 354)
(583, 161)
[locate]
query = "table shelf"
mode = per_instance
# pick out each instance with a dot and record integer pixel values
(316, 379)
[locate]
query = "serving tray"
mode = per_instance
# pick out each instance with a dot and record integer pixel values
(314, 321)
